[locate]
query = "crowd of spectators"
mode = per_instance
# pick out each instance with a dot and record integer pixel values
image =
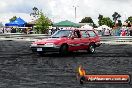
(116, 31)
(122, 31)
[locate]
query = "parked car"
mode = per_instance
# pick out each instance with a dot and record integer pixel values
(68, 40)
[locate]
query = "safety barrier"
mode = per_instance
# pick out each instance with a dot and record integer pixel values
(21, 35)
(116, 39)
(104, 39)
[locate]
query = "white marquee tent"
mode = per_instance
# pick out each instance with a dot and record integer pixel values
(87, 26)
(103, 27)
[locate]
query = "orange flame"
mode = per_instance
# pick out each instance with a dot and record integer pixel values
(82, 72)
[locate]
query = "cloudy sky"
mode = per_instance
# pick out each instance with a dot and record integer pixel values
(58, 10)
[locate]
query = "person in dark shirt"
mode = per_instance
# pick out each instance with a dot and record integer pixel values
(131, 32)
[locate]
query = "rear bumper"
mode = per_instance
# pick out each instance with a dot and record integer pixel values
(45, 49)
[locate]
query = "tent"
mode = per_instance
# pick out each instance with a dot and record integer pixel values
(103, 27)
(66, 23)
(18, 22)
(87, 26)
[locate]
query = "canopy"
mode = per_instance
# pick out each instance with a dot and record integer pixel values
(66, 23)
(18, 22)
(103, 27)
(87, 26)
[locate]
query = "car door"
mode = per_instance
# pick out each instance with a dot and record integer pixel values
(85, 40)
(74, 42)
(92, 35)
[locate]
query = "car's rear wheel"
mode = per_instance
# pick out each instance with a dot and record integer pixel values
(91, 48)
(64, 50)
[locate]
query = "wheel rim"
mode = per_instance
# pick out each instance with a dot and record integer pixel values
(64, 49)
(92, 49)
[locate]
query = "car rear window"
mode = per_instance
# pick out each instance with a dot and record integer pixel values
(92, 33)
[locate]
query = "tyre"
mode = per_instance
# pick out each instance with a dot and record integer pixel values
(64, 50)
(91, 48)
(82, 80)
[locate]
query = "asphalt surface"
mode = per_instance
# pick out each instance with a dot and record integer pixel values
(20, 68)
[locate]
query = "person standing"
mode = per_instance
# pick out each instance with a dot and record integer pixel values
(123, 31)
(130, 32)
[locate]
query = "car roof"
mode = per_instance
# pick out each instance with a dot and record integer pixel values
(78, 29)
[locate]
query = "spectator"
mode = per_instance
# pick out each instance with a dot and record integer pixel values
(13, 30)
(107, 32)
(1, 31)
(130, 32)
(118, 31)
(50, 32)
(102, 32)
(123, 31)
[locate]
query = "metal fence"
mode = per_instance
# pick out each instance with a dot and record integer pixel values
(32, 37)
(116, 39)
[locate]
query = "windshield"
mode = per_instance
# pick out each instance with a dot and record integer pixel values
(62, 33)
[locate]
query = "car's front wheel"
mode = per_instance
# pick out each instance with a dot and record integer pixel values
(64, 50)
(91, 48)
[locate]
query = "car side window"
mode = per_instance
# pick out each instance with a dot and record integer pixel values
(91, 33)
(77, 34)
(84, 34)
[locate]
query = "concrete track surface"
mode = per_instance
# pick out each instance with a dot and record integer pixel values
(20, 68)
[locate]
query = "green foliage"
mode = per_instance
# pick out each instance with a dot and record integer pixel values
(105, 21)
(35, 12)
(42, 24)
(116, 16)
(94, 25)
(100, 18)
(119, 23)
(87, 20)
(129, 20)
(13, 19)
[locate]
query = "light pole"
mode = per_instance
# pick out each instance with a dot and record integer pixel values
(75, 8)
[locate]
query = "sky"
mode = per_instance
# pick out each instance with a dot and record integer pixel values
(58, 10)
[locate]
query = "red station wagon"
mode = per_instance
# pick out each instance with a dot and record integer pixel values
(68, 40)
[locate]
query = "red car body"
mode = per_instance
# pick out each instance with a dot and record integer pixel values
(67, 40)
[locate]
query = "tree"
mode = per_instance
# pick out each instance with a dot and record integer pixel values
(94, 25)
(87, 20)
(13, 19)
(129, 20)
(119, 23)
(35, 12)
(116, 16)
(42, 24)
(106, 21)
(100, 18)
